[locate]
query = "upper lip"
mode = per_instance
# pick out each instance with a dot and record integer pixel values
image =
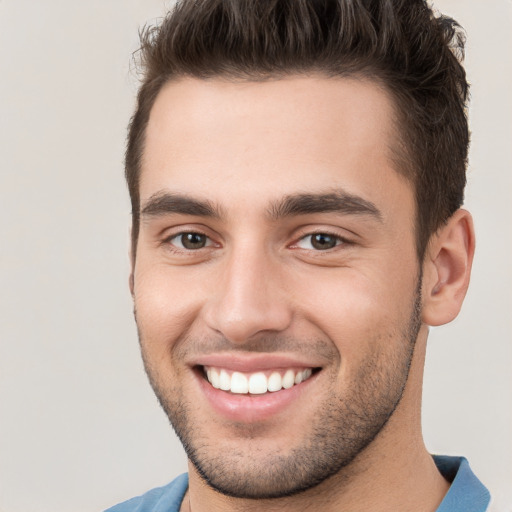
(253, 362)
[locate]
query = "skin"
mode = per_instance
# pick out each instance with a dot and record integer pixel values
(358, 311)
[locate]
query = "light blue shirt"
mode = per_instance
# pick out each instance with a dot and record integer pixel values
(466, 493)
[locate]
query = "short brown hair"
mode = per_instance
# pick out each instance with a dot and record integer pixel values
(401, 44)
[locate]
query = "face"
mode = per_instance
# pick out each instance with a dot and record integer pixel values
(276, 279)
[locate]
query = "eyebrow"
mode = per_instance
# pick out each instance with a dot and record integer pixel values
(165, 203)
(338, 202)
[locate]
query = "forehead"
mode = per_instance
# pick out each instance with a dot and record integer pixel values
(269, 138)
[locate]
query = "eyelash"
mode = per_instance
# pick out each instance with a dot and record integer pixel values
(168, 241)
(339, 241)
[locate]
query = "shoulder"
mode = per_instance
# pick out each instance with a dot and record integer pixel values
(161, 499)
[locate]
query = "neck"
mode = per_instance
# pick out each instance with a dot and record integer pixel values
(394, 473)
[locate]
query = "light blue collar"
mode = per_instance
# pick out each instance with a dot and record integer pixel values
(466, 493)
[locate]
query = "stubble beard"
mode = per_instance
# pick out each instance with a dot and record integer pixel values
(346, 423)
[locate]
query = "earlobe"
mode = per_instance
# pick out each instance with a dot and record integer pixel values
(447, 269)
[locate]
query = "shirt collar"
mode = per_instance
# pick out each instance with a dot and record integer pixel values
(466, 493)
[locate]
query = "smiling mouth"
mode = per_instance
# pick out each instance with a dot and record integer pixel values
(257, 383)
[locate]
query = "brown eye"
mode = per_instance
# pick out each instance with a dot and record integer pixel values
(322, 241)
(193, 240)
(190, 241)
(319, 241)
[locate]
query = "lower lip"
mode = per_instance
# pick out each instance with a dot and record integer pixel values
(252, 408)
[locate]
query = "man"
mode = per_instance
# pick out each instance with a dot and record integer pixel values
(296, 170)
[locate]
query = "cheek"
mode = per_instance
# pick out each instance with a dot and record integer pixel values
(166, 304)
(360, 313)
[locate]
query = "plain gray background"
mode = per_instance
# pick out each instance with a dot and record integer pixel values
(79, 426)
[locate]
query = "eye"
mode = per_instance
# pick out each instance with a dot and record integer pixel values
(319, 241)
(190, 241)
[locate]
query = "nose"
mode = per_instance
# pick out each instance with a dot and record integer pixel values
(249, 298)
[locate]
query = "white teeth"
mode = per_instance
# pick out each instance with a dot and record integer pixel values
(275, 382)
(224, 380)
(288, 379)
(257, 383)
(239, 383)
(214, 378)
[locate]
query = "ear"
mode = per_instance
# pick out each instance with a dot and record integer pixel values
(447, 269)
